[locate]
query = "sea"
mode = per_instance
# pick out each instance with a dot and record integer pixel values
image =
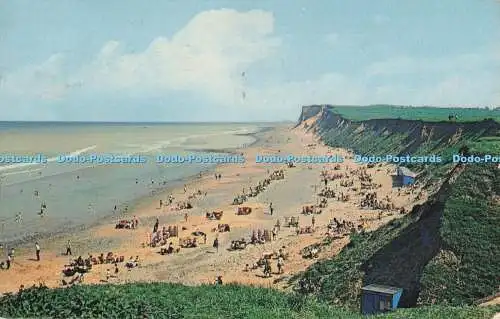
(77, 194)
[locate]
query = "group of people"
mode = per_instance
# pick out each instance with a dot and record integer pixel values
(10, 257)
(371, 201)
(265, 262)
(78, 265)
(128, 223)
(160, 237)
(8, 262)
(254, 191)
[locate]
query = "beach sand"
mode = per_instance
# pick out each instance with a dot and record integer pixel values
(193, 266)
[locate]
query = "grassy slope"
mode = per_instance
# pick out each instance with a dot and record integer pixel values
(445, 252)
(158, 300)
(468, 265)
(359, 113)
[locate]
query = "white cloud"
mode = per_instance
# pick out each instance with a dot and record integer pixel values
(42, 81)
(207, 56)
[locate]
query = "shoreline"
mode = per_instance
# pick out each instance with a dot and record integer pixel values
(109, 216)
(194, 266)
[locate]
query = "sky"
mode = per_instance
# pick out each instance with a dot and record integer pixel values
(195, 60)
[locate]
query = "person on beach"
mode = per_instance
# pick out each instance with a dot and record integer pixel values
(215, 176)
(204, 238)
(136, 222)
(186, 217)
(271, 208)
(281, 263)
(185, 189)
(155, 227)
(267, 268)
(275, 233)
(37, 247)
(218, 280)
(313, 221)
(19, 218)
(9, 260)
(161, 204)
(220, 176)
(108, 274)
(68, 249)
(216, 244)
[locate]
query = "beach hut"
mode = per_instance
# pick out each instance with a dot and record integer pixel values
(405, 176)
(379, 298)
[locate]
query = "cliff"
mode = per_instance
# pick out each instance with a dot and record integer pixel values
(416, 132)
(444, 251)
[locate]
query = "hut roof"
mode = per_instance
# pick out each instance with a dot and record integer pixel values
(382, 289)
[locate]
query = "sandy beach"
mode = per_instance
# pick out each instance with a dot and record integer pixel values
(202, 264)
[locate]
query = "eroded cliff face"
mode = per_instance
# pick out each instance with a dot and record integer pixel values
(308, 112)
(417, 132)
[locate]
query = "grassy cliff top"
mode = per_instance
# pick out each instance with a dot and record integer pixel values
(424, 113)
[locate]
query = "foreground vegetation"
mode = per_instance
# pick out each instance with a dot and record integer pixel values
(159, 300)
(424, 113)
(445, 252)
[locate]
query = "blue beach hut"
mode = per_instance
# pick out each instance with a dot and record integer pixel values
(405, 176)
(379, 298)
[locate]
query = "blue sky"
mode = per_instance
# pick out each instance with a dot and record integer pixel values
(183, 60)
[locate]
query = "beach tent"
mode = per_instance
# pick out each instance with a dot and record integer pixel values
(379, 298)
(405, 176)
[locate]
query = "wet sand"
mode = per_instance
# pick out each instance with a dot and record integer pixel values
(202, 264)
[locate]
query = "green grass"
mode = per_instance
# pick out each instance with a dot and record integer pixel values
(339, 280)
(160, 300)
(424, 113)
(486, 145)
(468, 265)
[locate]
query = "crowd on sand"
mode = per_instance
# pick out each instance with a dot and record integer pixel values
(338, 184)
